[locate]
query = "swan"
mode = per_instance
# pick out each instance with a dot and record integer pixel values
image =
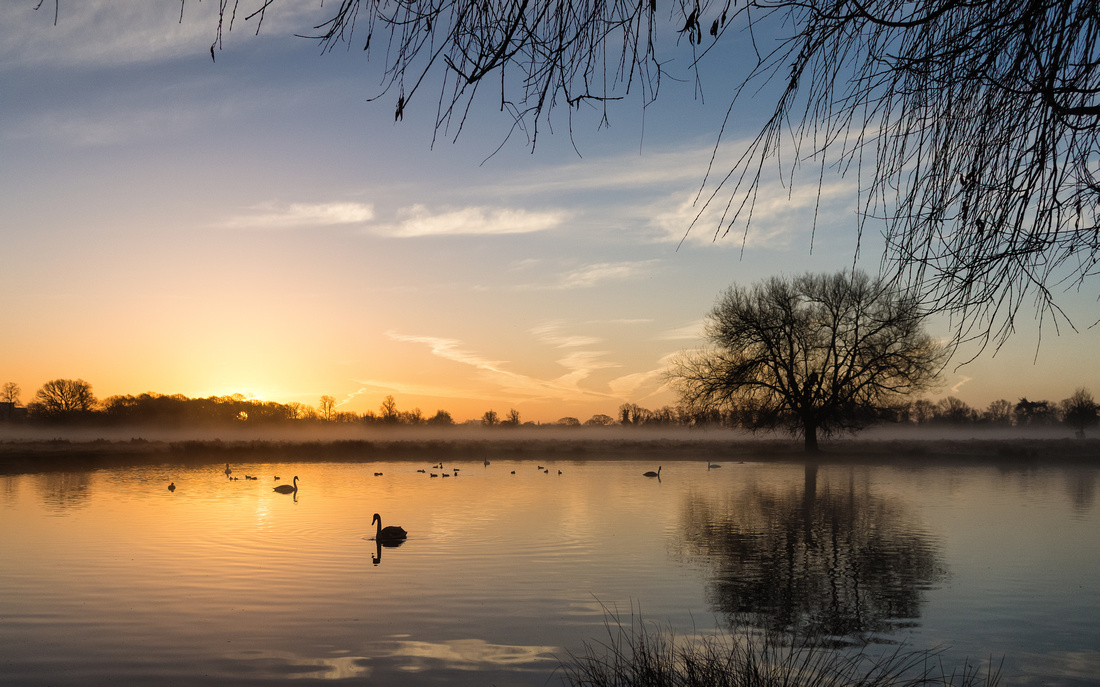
(390, 533)
(711, 465)
(227, 470)
(286, 488)
(653, 474)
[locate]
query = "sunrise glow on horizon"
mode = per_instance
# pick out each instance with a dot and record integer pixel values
(254, 225)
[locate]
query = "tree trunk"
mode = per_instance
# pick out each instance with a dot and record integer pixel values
(810, 432)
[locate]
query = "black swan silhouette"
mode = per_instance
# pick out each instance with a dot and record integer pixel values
(390, 533)
(286, 488)
(653, 474)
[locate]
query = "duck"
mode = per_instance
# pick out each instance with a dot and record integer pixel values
(286, 488)
(172, 486)
(389, 533)
(653, 474)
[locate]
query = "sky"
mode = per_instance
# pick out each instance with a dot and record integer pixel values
(258, 225)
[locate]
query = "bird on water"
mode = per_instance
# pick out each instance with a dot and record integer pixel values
(653, 474)
(388, 533)
(172, 486)
(286, 488)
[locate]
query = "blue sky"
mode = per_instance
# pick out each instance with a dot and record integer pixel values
(255, 225)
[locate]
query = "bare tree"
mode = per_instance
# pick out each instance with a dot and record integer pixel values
(390, 414)
(955, 411)
(814, 354)
(490, 419)
(1079, 411)
(442, 418)
(326, 408)
(999, 412)
(599, 420)
(10, 393)
(63, 399)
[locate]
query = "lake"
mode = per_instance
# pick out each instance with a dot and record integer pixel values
(110, 578)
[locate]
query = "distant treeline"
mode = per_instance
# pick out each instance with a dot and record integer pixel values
(67, 401)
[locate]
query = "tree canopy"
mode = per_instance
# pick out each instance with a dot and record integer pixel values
(811, 354)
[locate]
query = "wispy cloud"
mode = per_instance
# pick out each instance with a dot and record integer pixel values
(290, 215)
(960, 383)
(643, 385)
(689, 332)
(631, 171)
(95, 33)
(504, 383)
(779, 214)
(551, 333)
(599, 273)
(419, 220)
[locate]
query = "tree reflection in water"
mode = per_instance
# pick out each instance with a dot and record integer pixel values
(61, 491)
(824, 561)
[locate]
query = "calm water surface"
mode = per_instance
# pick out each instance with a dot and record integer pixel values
(109, 578)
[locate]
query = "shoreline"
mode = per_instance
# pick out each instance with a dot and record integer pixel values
(38, 455)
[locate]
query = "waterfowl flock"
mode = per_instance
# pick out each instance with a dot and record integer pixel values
(453, 472)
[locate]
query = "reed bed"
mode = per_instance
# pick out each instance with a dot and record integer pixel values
(639, 654)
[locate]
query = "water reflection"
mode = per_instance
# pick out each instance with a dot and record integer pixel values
(1081, 486)
(61, 491)
(376, 557)
(828, 560)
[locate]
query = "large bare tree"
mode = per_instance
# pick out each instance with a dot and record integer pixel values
(969, 127)
(813, 354)
(63, 399)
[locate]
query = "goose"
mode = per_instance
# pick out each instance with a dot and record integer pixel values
(653, 474)
(286, 488)
(276, 478)
(172, 486)
(390, 533)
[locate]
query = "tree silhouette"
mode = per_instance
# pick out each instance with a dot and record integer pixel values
(10, 393)
(326, 408)
(63, 399)
(813, 354)
(1079, 411)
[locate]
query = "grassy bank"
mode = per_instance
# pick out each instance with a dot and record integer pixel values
(30, 454)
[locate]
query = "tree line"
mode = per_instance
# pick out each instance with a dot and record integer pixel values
(72, 402)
